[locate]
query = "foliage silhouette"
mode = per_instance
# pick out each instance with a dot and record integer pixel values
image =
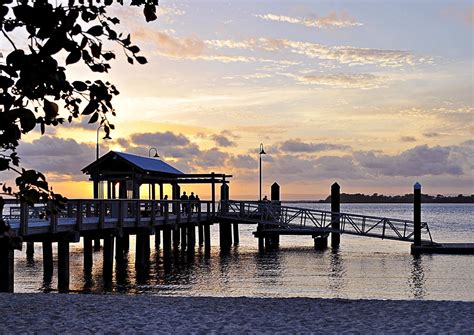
(33, 81)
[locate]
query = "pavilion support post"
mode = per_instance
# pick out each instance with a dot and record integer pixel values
(213, 194)
(63, 265)
(108, 261)
(47, 261)
(122, 189)
(30, 250)
(161, 191)
(153, 191)
(6, 268)
(87, 241)
(417, 213)
(175, 196)
(200, 234)
(114, 195)
(335, 217)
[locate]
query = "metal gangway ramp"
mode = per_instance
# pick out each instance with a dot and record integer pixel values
(286, 220)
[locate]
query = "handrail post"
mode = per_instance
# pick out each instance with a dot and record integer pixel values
(166, 212)
(101, 214)
(53, 219)
(137, 213)
(79, 215)
(153, 213)
(24, 215)
(121, 209)
(417, 213)
(208, 216)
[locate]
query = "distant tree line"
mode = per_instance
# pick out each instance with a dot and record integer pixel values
(407, 198)
(401, 199)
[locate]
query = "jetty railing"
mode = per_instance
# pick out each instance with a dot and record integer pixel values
(292, 218)
(81, 214)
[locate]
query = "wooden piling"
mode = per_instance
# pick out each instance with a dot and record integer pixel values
(108, 260)
(207, 236)
(141, 253)
(6, 268)
(63, 265)
(417, 214)
(335, 218)
(30, 249)
(88, 259)
(47, 261)
(200, 234)
(166, 243)
(176, 237)
(157, 237)
(96, 244)
(184, 241)
(126, 242)
(236, 237)
(321, 242)
(119, 250)
(191, 230)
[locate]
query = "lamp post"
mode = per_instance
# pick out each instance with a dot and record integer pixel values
(97, 154)
(262, 152)
(156, 152)
(155, 156)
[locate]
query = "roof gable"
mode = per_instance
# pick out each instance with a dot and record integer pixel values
(148, 164)
(143, 163)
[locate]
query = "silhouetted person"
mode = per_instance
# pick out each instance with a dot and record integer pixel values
(164, 206)
(184, 205)
(192, 198)
(198, 203)
(265, 199)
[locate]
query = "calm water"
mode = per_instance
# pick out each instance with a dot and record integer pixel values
(361, 268)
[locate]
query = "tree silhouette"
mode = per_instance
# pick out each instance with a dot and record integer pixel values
(45, 37)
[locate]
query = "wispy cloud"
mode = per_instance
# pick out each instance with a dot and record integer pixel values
(344, 80)
(342, 54)
(332, 20)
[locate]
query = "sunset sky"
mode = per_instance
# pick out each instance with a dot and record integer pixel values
(373, 94)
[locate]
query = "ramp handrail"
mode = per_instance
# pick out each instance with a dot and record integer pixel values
(288, 217)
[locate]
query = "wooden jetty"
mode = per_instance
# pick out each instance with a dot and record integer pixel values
(174, 222)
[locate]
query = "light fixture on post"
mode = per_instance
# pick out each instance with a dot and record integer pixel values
(262, 152)
(149, 185)
(97, 154)
(156, 152)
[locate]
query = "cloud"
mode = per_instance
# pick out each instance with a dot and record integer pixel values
(408, 139)
(168, 45)
(419, 161)
(243, 162)
(223, 141)
(211, 158)
(431, 134)
(341, 54)
(298, 146)
(332, 20)
(159, 139)
(58, 158)
(344, 80)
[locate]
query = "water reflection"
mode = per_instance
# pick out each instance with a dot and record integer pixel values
(337, 278)
(417, 278)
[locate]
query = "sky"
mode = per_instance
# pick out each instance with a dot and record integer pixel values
(376, 95)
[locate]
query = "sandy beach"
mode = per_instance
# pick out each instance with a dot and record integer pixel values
(73, 313)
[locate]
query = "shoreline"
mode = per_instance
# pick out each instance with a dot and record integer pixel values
(40, 312)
